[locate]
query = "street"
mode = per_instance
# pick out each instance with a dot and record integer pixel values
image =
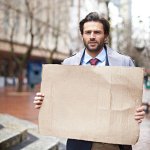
(21, 105)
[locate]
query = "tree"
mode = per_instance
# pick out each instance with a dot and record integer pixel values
(59, 21)
(35, 24)
(33, 29)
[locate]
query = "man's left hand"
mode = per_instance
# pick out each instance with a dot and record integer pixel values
(139, 114)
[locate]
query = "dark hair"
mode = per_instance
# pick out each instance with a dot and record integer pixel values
(94, 16)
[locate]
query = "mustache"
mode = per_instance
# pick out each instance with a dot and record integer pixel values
(92, 42)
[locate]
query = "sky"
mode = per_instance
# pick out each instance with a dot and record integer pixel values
(141, 8)
(141, 18)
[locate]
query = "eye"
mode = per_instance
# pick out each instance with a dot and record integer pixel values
(97, 32)
(87, 32)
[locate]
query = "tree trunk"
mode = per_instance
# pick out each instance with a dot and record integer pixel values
(20, 80)
(109, 19)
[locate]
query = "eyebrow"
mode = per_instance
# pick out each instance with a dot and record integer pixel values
(99, 31)
(92, 30)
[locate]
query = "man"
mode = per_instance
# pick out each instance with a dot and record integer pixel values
(95, 31)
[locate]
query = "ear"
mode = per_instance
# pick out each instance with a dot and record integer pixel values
(106, 39)
(81, 35)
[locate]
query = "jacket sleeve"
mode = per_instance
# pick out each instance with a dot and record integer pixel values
(131, 62)
(65, 62)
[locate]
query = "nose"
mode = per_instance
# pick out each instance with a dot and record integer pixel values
(92, 35)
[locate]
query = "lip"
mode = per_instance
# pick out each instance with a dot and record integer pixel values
(92, 43)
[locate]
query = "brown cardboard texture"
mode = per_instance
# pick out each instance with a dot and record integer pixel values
(91, 103)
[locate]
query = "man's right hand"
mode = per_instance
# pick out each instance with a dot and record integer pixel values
(38, 100)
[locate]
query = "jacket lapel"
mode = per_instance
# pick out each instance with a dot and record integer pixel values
(110, 56)
(78, 58)
(110, 53)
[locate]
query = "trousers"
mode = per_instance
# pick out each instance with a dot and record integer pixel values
(73, 144)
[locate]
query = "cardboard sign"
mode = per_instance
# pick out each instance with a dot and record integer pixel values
(91, 103)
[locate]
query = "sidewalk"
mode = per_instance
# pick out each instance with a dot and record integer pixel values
(144, 139)
(21, 105)
(18, 104)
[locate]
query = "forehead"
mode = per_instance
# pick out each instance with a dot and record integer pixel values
(92, 25)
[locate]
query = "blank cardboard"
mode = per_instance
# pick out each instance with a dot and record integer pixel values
(91, 103)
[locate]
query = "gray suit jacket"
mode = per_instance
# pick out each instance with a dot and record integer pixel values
(114, 58)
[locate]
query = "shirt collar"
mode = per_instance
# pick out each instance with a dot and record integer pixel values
(101, 56)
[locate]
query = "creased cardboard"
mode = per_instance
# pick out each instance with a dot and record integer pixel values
(91, 103)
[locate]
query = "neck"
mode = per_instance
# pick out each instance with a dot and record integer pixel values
(93, 54)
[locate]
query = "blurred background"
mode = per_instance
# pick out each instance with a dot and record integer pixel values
(35, 32)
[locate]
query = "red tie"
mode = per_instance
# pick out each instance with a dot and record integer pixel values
(94, 61)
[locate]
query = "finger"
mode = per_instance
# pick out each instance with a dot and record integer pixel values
(139, 117)
(139, 121)
(38, 98)
(37, 102)
(39, 94)
(37, 106)
(141, 108)
(142, 113)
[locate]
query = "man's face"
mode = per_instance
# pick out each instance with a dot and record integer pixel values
(93, 36)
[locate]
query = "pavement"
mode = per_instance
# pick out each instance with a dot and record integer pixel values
(21, 106)
(144, 138)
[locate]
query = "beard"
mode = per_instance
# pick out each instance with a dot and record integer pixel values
(95, 48)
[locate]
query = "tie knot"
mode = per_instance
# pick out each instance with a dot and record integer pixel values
(94, 61)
